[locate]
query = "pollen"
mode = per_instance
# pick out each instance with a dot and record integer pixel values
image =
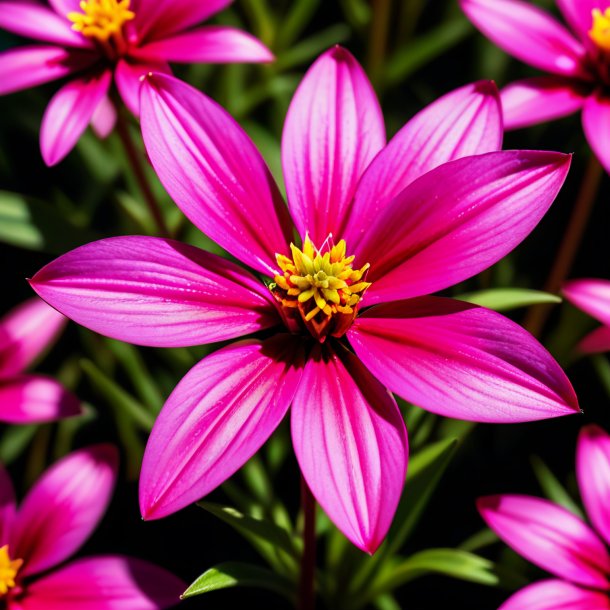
(320, 287)
(101, 19)
(600, 29)
(8, 570)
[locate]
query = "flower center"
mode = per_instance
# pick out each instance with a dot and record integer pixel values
(319, 288)
(600, 29)
(8, 570)
(102, 19)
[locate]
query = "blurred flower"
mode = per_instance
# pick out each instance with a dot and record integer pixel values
(415, 216)
(555, 539)
(54, 520)
(25, 333)
(93, 41)
(593, 297)
(580, 64)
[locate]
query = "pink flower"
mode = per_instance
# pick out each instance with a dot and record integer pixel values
(92, 41)
(379, 225)
(25, 333)
(558, 541)
(593, 297)
(579, 65)
(54, 520)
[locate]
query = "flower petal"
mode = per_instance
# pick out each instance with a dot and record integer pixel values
(593, 473)
(555, 595)
(590, 295)
(212, 170)
(8, 507)
(544, 98)
(104, 583)
(129, 75)
(25, 333)
(27, 67)
(528, 33)
(467, 121)
(63, 7)
(74, 493)
(461, 361)
(596, 124)
(457, 220)
(333, 129)
(104, 118)
(153, 291)
(351, 443)
(596, 342)
(549, 536)
(69, 113)
(578, 13)
(218, 416)
(30, 399)
(211, 44)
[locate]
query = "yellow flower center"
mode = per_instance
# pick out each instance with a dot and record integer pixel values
(8, 570)
(600, 29)
(101, 19)
(322, 290)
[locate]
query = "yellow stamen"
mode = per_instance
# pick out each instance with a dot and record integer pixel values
(101, 19)
(600, 29)
(8, 570)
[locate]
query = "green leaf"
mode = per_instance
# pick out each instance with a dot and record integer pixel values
(552, 488)
(504, 299)
(14, 440)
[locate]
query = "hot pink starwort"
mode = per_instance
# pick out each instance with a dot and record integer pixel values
(593, 297)
(54, 520)
(341, 318)
(25, 333)
(557, 540)
(94, 42)
(579, 62)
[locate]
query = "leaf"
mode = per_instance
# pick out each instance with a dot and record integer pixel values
(14, 441)
(552, 488)
(504, 299)
(236, 574)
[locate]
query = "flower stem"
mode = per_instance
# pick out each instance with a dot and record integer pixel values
(133, 156)
(378, 40)
(537, 315)
(306, 599)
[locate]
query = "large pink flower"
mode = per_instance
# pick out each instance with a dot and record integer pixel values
(558, 541)
(25, 333)
(54, 520)
(593, 297)
(579, 65)
(421, 212)
(93, 40)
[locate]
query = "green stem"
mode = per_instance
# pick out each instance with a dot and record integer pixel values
(378, 40)
(306, 599)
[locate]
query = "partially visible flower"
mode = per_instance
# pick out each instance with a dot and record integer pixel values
(593, 297)
(97, 41)
(558, 541)
(378, 225)
(579, 62)
(54, 520)
(25, 333)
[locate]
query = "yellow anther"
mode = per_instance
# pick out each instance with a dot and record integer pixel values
(101, 19)
(8, 570)
(600, 28)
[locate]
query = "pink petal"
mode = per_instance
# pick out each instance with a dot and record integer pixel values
(528, 33)
(556, 595)
(457, 220)
(578, 13)
(27, 67)
(69, 113)
(544, 98)
(153, 291)
(129, 75)
(104, 583)
(590, 295)
(74, 493)
(333, 129)
(596, 124)
(211, 44)
(465, 122)
(104, 118)
(593, 472)
(461, 361)
(351, 443)
(549, 536)
(212, 170)
(63, 7)
(32, 20)
(7, 506)
(596, 342)
(29, 399)
(25, 333)
(218, 416)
